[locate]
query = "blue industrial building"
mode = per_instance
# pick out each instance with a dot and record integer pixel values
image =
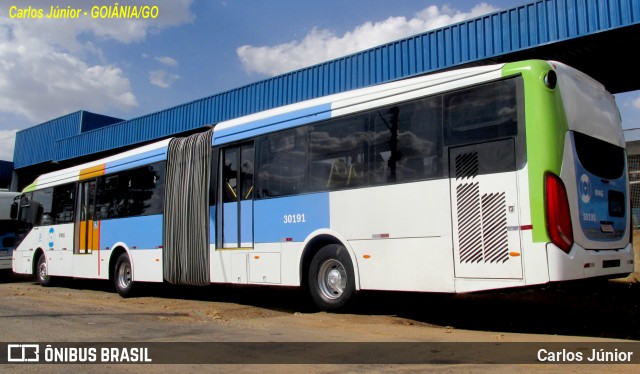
(587, 34)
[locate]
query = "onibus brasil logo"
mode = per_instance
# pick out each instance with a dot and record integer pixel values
(31, 353)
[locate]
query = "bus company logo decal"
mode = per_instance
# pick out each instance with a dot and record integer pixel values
(585, 188)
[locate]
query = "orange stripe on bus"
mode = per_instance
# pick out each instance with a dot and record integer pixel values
(92, 172)
(82, 243)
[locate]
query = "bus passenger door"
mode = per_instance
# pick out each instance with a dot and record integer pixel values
(87, 229)
(484, 201)
(237, 196)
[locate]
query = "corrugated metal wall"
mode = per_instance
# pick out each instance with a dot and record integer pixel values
(523, 27)
(91, 121)
(37, 144)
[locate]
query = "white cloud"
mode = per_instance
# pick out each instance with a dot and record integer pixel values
(7, 142)
(629, 106)
(170, 13)
(39, 82)
(51, 67)
(168, 61)
(162, 79)
(322, 45)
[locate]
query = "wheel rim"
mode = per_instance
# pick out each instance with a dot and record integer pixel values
(332, 279)
(124, 275)
(42, 271)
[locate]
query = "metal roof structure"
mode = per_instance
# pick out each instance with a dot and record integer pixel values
(591, 35)
(39, 141)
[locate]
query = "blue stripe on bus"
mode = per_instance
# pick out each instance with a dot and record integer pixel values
(144, 232)
(246, 221)
(274, 123)
(230, 225)
(141, 159)
(290, 218)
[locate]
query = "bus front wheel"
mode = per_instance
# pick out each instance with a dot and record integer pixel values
(42, 272)
(331, 278)
(123, 276)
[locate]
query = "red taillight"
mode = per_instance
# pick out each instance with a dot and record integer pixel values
(558, 214)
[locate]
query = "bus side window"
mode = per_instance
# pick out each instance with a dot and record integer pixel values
(282, 163)
(337, 150)
(43, 199)
(28, 212)
(481, 113)
(63, 203)
(407, 142)
(246, 172)
(230, 175)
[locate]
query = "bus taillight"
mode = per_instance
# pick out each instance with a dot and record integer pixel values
(558, 215)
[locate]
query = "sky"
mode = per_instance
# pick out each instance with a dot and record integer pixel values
(126, 68)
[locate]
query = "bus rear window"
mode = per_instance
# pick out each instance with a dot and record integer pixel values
(599, 157)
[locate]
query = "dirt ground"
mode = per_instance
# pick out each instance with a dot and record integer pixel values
(598, 311)
(557, 309)
(89, 311)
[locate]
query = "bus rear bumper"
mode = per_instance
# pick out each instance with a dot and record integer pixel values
(580, 263)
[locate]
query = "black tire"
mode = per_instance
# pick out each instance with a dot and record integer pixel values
(122, 276)
(331, 278)
(42, 272)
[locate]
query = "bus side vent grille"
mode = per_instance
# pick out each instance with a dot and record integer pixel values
(482, 220)
(494, 228)
(469, 228)
(467, 165)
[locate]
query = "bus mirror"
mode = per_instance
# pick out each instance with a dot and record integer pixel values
(8, 242)
(14, 211)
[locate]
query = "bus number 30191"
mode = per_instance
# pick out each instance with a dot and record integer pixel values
(293, 218)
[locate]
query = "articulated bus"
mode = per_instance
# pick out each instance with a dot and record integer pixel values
(475, 179)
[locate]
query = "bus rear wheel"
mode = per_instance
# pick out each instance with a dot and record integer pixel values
(331, 278)
(123, 277)
(42, 272)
